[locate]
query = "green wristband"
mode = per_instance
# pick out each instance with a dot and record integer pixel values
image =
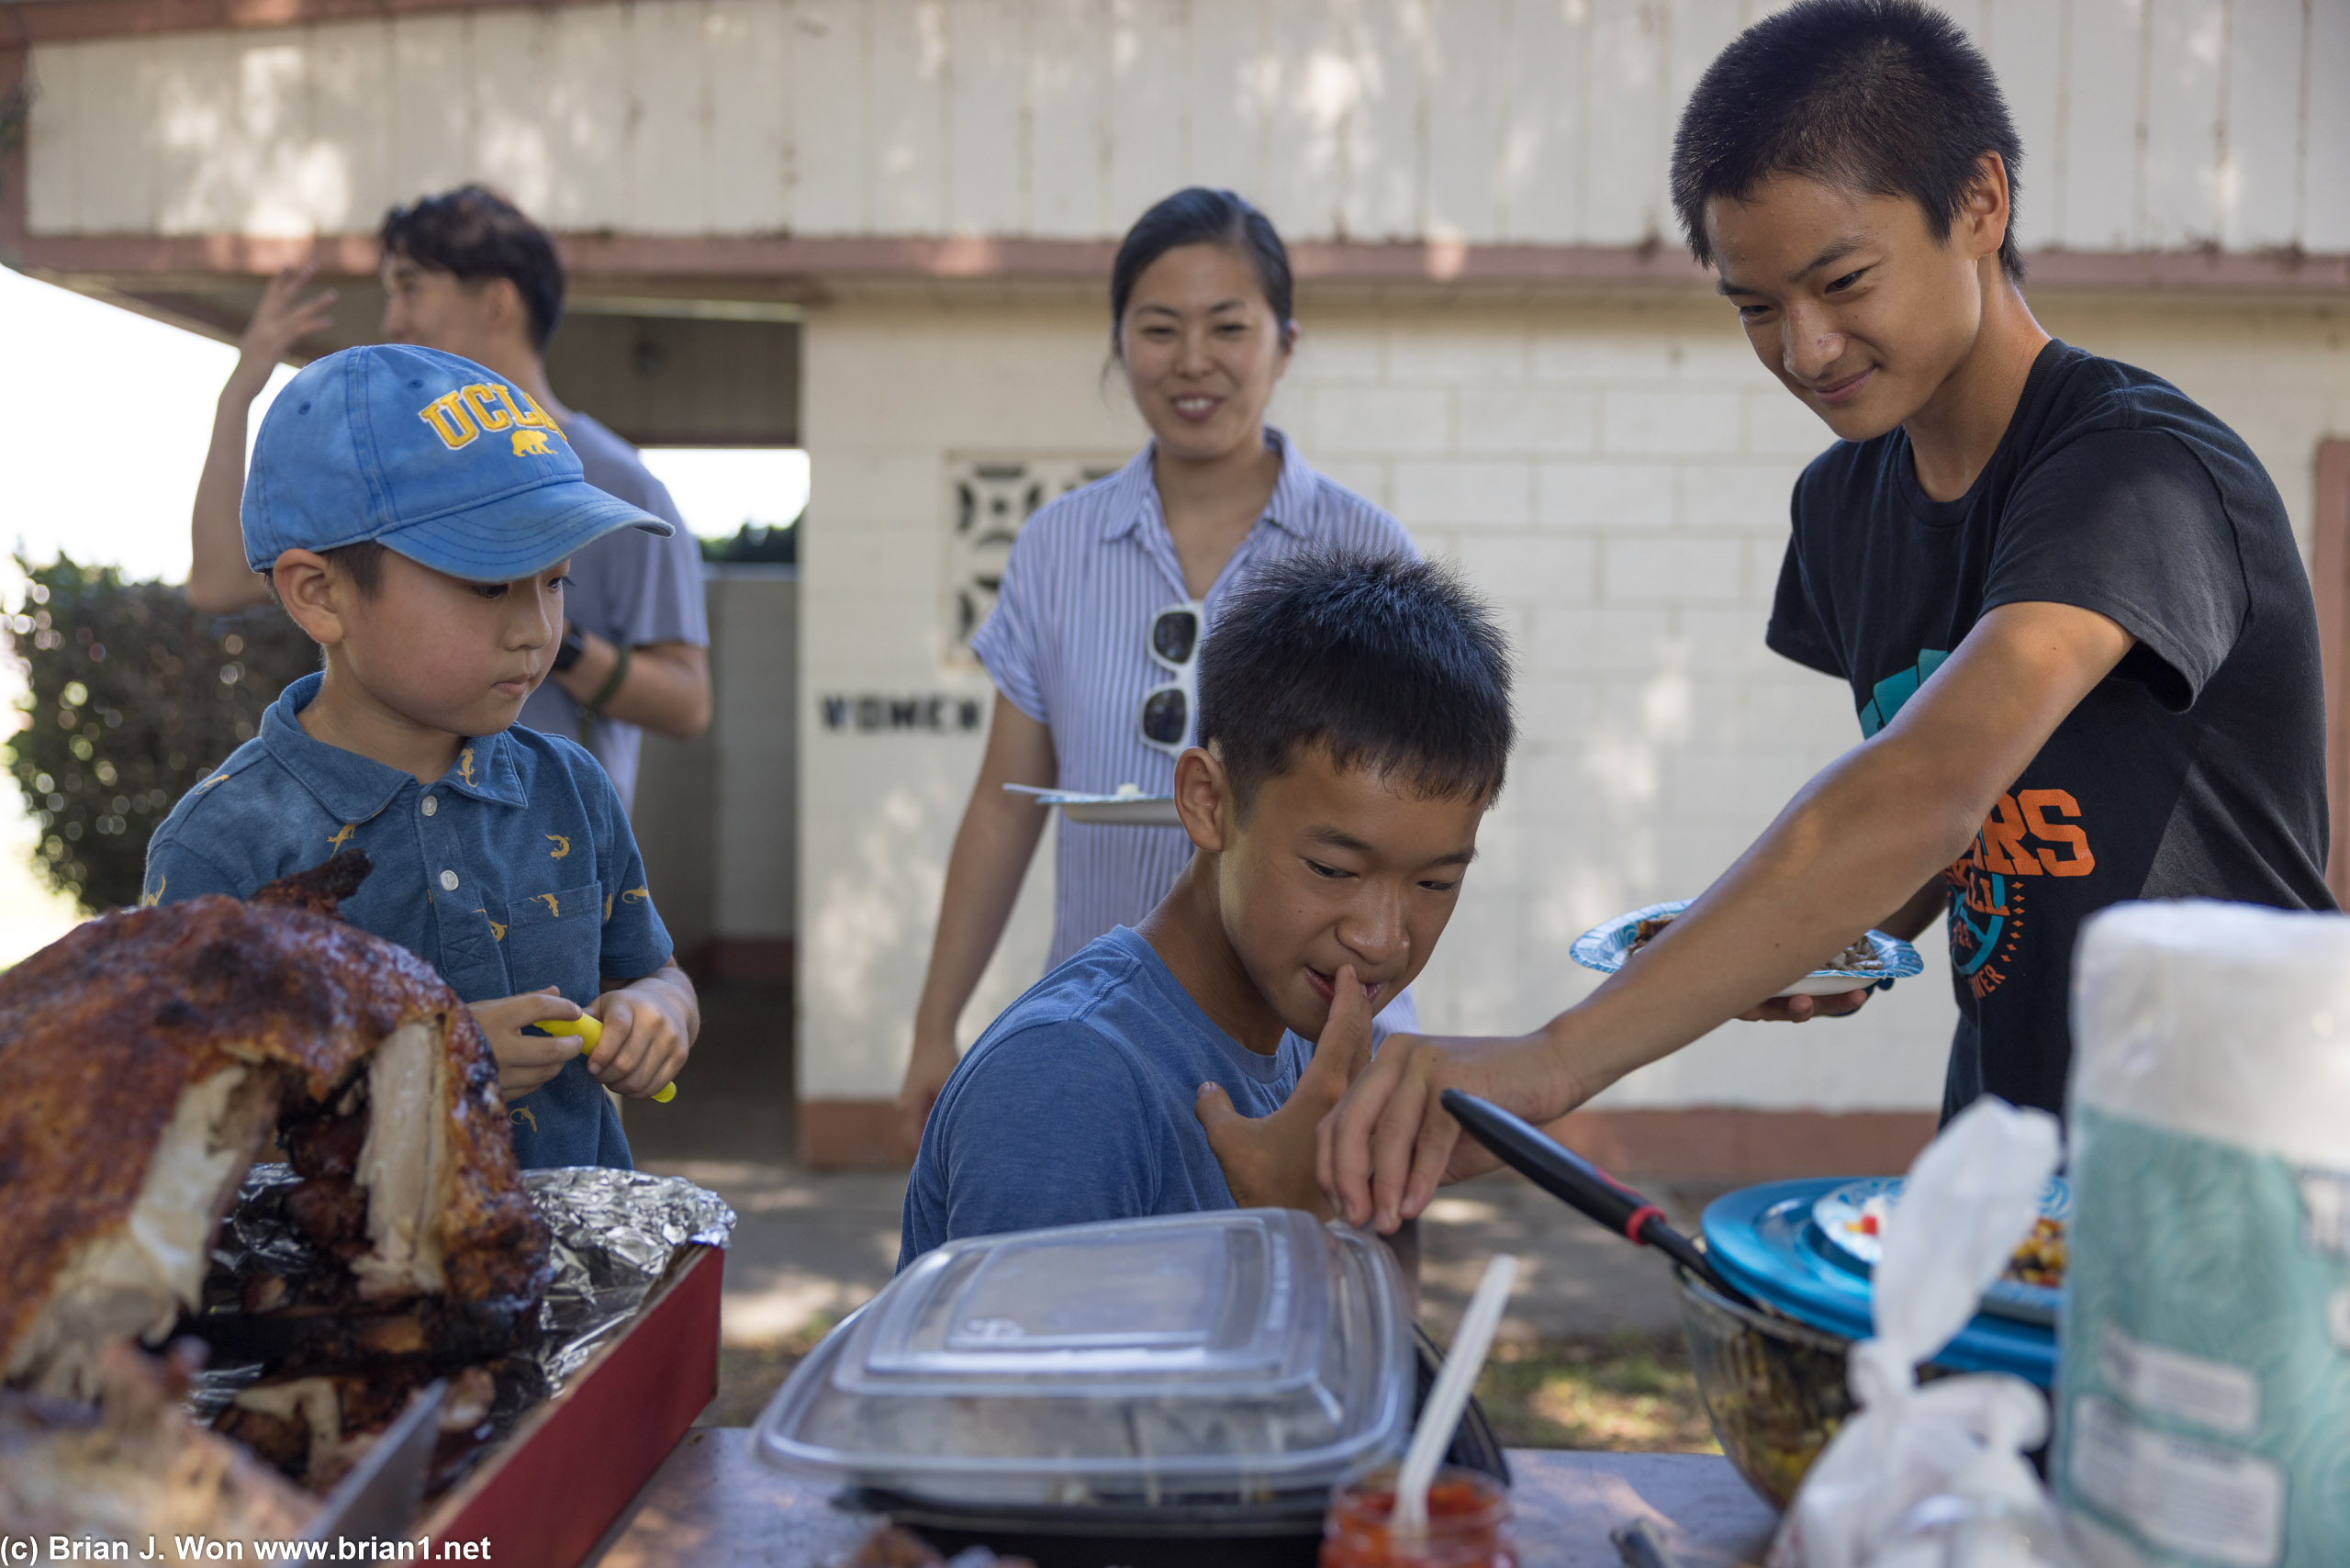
(612, 682)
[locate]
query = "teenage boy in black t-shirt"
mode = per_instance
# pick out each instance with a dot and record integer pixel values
(2066, 600)
(2196, 768)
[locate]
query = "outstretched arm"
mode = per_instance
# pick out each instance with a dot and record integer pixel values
(219, 581)
(1862, 839)
(992, 849)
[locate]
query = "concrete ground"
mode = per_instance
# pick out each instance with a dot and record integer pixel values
(810, 1245)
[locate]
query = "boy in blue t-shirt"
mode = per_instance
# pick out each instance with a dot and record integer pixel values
(414, 516)
(1354, 727)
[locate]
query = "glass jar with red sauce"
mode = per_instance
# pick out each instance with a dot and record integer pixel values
(1469, 1524)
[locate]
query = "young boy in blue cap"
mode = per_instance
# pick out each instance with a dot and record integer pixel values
(414, 516)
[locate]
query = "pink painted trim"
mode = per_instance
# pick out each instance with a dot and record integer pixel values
(787, 260)
(59, 21)
(1699, 1143)
(2217, 271)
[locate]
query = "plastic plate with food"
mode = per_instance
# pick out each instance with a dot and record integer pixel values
(1766, 1240)
(1852, 1220)
(1872, 958)
(1129, 807)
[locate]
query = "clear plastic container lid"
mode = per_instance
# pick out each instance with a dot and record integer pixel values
(1228, 1356)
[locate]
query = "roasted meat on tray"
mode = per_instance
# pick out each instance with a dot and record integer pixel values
(318, 1427)
(133, 1466)
(148, 1059)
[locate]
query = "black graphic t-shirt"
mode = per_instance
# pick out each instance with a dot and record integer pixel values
(2196, 769)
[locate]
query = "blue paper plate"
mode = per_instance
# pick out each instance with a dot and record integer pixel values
(1838, 1214)
(1763, 1240)
(1605, 949)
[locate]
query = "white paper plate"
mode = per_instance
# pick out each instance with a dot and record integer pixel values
(1119, 811)
(1605, 949)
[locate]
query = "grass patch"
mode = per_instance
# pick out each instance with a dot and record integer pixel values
(748, 1376)
(1627, 1392)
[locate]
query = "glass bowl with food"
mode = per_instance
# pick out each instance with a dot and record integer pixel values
(1772, 1388)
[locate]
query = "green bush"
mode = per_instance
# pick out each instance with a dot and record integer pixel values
(762, 545)
(133, 696)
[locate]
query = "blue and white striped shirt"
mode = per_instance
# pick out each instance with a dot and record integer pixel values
(1067, 644)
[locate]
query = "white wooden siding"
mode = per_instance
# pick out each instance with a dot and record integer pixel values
(2147, 124)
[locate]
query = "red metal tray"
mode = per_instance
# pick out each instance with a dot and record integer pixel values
(574, 1464)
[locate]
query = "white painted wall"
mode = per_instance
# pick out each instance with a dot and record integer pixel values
(898, 382)
(718, 816)
(2156, 124)
(1614, 473)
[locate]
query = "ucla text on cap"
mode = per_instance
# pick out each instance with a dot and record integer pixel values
(426, 454)
(463, 417)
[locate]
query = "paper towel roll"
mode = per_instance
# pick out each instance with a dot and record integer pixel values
(2203, 1383)
(2227, 1021)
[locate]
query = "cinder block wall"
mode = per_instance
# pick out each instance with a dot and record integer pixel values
(899, 383)
(717, 817)
(1614, 472)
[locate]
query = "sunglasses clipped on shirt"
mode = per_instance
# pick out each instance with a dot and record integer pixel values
(1168, 712)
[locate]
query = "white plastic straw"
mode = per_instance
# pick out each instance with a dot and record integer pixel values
(1441, 1414)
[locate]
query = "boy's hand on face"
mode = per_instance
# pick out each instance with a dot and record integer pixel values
(648, 1033)
(525, 1061)
(1269, 1160)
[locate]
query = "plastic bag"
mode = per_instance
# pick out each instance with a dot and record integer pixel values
(1935, 1476)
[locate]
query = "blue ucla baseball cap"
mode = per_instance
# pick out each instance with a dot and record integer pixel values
(434, 456)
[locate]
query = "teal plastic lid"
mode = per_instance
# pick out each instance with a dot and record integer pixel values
(1764, 1241)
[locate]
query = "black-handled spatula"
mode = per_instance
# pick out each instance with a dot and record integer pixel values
(1566, 1175)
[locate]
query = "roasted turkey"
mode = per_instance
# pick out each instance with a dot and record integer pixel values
(148, 1057)
(317, 1426)
(132, 1467)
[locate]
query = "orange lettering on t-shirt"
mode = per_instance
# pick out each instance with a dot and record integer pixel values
(2003, 850)
(2037, 805)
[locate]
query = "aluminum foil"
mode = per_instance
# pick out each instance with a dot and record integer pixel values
(616, 1233)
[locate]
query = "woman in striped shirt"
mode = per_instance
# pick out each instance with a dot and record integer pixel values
(1110, 589)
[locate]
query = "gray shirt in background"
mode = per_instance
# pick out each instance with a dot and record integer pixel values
(630, 588)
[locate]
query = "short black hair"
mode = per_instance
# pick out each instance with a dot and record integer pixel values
(1885, 96)
(1198, 214)
(1391, 664)
(476, 233)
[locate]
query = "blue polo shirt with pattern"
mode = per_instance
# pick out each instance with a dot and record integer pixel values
(514, 871)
